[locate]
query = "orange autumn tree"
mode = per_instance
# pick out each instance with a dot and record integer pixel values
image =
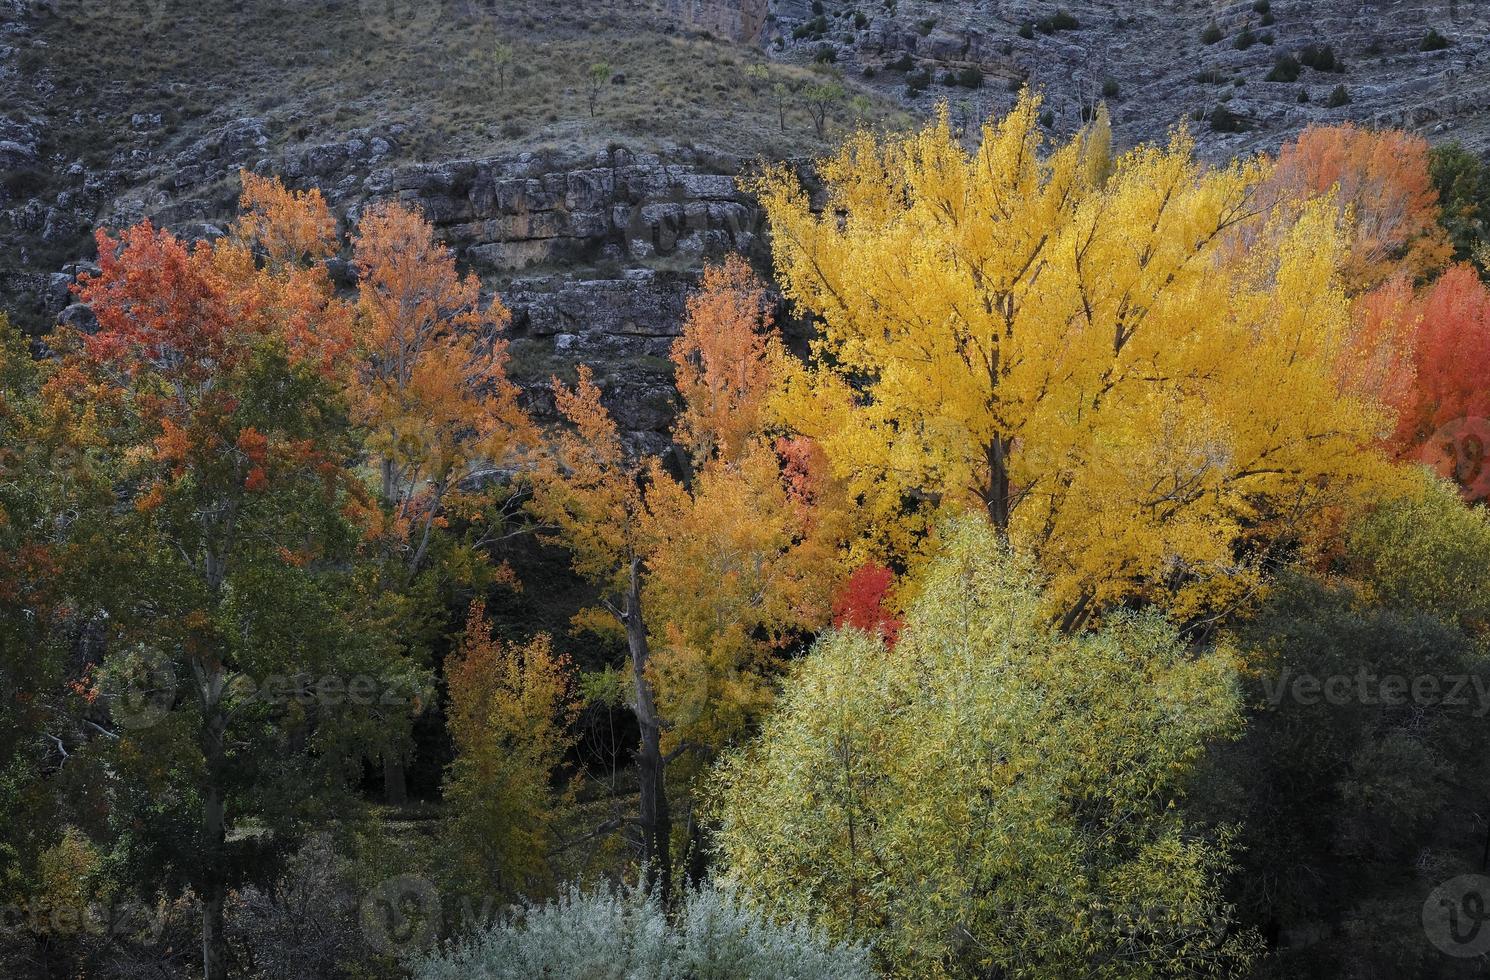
(442, 423)
(208, 393)
(1380, 180)
(511, 711)
(705, 576)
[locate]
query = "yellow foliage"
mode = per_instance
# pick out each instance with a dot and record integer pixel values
(1083, 351)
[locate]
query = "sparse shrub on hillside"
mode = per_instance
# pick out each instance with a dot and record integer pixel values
(1433, 41)
(1211, 76)
(812, 29)
(903, 63)
(1061, 20)
(970, 77)
(1320, 57)
(924, 27)
(1211, 34)
(1110, 88)
(1303, 96)
(1286, 68)
(1339, 96)
(1223, 120)
(1027, 30)
(917, 81)
(861, 20)
(826, 55)
(1245, 39)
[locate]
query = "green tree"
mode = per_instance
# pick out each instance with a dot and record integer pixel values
(501, 59)
(1463, 184)
(598, 78)
(238, 686)
(991, 797)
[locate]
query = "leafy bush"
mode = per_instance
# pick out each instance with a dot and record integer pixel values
(1433, 41)
(1027, 30)
(1245, 39)
(970, 77)
(1061, 20)
(1223, 120)
(990, 748)
(604, 935)
(1318, 57)
(1339, 96)
(1211, 34)
(1286, 68)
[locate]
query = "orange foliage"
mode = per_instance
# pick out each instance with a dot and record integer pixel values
(292, 228)
(724, 360)
(431, 384)
(1381, 180)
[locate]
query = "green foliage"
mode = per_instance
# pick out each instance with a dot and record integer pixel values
(1027, 30)
(1286, 68)
(991, 797)
(1061, 20)
(1319, 57)
(1244, 39)
(1211, 34)
(1223, 120)
(1433, 41)
(1339, 96)
(1359, 765)
(604, 935)
(1426, 554)
(1463, 184)
(1110, 88)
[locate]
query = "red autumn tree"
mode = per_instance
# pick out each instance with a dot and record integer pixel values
(1444, 406)
(865, 602)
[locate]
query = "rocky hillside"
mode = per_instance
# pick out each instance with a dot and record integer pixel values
(1247, 73)
(581, 156)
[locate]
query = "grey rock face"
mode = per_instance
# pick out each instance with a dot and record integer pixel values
(1148, 59)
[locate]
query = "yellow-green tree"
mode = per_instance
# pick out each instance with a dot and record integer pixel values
(511, 711)
(992, 797)
(1085, 348)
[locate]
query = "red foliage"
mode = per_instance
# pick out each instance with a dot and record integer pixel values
(864, 602)
(157, 305)
(1443, 407)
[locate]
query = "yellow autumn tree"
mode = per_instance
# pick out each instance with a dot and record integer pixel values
(1082, 351)
(709, 574)
(511, 712)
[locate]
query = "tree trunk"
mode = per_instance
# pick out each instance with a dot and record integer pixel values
(654, 818)
(996, 493)
(214, 943)
(395, 786)
(212, 874)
